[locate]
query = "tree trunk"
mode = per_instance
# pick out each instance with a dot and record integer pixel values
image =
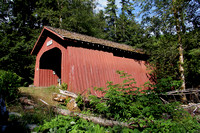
(98, 120)
(177, 14)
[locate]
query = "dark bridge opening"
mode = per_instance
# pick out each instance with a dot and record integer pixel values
(52, 60)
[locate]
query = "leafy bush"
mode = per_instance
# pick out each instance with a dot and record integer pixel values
(118, 100)
(9, 83)
(126, 102)
(68, 124)
(80, 102)
(165, 84)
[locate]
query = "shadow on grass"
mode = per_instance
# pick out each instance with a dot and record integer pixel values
(27, 114)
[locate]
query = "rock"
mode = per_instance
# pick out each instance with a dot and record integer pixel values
(31, 86)
(15, 114)
(59, 97)
(28, 107)
(25, 100)
(191, 104)
(31, 126)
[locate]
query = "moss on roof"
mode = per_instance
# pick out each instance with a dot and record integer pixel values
(80, 37)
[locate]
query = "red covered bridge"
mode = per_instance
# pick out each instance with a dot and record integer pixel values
(82, 61)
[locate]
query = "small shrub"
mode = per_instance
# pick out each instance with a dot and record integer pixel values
(119, 104)
(9, 84)
(125, 102)
(64, 86)
(67, 100)
(80, 102)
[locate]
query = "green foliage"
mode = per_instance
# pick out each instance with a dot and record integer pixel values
(121, 25)
(125, 102)
(21, 23)
(9, 83)
(67, 101)
(38, 115)
(143, 108)
(163, 57)
(80, 102)
(163, 62)
(64, 86)
(162, 29)
(68, 124)
(127, 29)
(165, 84)
(168, 126)
(76, 16)
(166, 13)
(192, 58)
(120, 97)
(16, 42)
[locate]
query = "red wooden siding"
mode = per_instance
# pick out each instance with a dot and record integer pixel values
(93, 68)
(65, 67)
(47, 78)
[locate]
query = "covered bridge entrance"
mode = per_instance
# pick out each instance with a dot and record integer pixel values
(50, 67)
(84, 62)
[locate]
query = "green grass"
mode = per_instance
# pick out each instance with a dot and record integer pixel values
(38, 114)
(44, 93)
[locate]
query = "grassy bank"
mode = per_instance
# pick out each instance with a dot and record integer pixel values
(37, 93)
(28, 108)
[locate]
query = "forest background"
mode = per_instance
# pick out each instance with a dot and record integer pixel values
(164, 28)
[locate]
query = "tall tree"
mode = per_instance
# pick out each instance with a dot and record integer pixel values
(192, 58)
(17, 36)
(128, 30)
(101, 24)
(178, 12)
(73, 15)
(126, 18)
(111, 19)
(172, 14)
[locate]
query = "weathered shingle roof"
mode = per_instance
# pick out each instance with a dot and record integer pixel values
(80, 37)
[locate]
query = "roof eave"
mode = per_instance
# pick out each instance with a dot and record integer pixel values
(50, 30)
(40, 36)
